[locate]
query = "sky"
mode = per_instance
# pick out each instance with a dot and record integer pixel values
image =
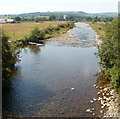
(26, 6)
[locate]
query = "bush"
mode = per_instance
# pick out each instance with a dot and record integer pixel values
(109, 54)
(9, 58)
(36, 35)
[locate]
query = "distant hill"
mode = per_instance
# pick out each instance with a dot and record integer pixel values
(107, 14)
(71, 13)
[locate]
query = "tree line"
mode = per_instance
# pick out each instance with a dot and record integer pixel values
(67, 18)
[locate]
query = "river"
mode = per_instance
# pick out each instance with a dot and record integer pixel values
(55, 80)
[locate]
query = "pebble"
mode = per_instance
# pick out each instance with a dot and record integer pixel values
(98, 92)
(102, 107)
(72, 88)
(105, 89)
(99, 98)
(102, 102)
(91, 101)
(101, 111)
(97, 86)
(108, 104)
(94, 99)
(101, 91)
(93, 114)
(61, 112)
(104, 97)
(107, 94)
(88, 110)
(107, 99)
(93, 109)
(94, 85)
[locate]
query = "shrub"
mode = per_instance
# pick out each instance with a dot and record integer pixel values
(109, 54)
(9, 58)
(36, 35)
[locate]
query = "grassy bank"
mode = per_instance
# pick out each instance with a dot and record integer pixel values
(18, 31)
(35, 32)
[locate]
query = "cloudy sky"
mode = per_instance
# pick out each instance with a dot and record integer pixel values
(25, 6)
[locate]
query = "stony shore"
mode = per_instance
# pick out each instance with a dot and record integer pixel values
(114, 105)
(110, 100)
(66, 38)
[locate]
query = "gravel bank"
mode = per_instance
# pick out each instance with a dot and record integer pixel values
(110, 101)
(66, 38)
(113, 103)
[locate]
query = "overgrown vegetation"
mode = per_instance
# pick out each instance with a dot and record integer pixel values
(109, 53)
(36, 35)
(9, 58)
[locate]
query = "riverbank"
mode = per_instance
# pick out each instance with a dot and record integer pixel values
(40, 35)
(111, 101)
(114, 104)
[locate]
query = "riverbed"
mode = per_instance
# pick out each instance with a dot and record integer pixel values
(56, 79)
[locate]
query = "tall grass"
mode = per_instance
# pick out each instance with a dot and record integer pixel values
(18, 31)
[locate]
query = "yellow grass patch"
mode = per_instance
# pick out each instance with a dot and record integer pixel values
(18, 30)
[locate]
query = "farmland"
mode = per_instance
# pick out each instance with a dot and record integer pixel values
(18, 31)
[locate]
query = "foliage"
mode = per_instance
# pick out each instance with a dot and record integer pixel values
(36, 35)
(52, 18)
(68, 18)
(17, 18)
(9, 58)
(109, 54)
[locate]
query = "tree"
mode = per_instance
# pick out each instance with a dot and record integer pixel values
(52, 18)
(9, 58)
(36, 35)
(17, 19)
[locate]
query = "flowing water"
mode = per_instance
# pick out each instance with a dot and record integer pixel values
(54, 80)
